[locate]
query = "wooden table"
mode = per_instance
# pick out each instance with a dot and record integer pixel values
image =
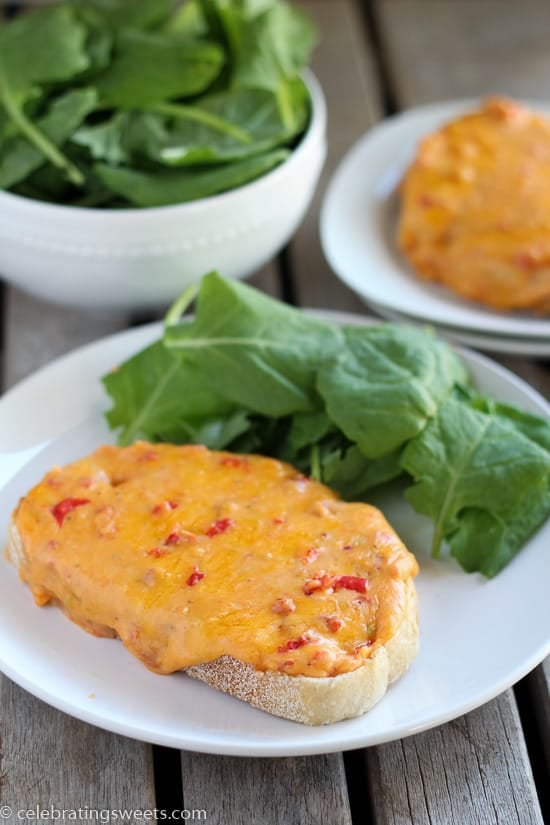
(490, 766)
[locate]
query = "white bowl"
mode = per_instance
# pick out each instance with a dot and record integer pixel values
(142, 258)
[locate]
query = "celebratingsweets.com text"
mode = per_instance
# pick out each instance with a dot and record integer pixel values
(103, 815)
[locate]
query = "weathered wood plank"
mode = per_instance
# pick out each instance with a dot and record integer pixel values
(457, 774)
(290, 791)
(444, 49)
(50, 760)
(267, 279)
(476, 769)
(35, 333)
(345, 70)
(47, 758)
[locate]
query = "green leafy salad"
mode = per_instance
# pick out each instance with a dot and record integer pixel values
(353, 407)
(123, 103)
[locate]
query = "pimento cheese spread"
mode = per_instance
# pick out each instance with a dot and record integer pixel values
(475, 207)
(188, 554)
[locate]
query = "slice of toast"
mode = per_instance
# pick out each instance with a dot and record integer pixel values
(198, 598)
(320, 700)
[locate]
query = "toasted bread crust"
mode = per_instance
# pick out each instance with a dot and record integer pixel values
(320, 701)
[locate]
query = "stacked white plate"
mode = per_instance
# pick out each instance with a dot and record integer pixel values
(358, 227)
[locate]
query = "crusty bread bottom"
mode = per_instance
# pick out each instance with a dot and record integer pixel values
(320, 701)
(313, 701)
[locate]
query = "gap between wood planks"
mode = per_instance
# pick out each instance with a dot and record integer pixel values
(168, 779)
(387, 93)
(534, 742)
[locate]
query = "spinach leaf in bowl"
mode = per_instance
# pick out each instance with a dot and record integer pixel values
(176, 186)
(149, 68)
(201, 85)
(228, 126)
(42, 48)
(19, 156)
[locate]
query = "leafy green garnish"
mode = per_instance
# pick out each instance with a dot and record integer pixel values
(135, 14)
(354, 407)
(158, 397)
(163, 188)
(253, 351)
(149, 68)
(36, 50)
(212, 86)
(483, 481)
(228, 126)
(20, 157)
(386, 385)
(269, 43)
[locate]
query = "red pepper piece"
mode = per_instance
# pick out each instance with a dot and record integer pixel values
(233, 461)
(352, 583)
(320, 581)
(164, 507)
(219, 526)
(63, 508)
(180, 537)
(195, 577)
(428, 201)
(294, 644)
(285, 606)
(156, 552)
(526, 260)
(148, 455)
(311, 554)
(333, 623)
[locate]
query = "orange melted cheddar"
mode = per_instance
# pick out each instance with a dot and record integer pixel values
(475, 207)
(188, 554)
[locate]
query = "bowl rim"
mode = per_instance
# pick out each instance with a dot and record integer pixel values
(316, 128)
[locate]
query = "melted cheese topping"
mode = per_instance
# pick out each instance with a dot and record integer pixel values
(188, 554)
(476, 207)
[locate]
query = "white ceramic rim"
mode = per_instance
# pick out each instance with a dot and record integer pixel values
(505, 344)
(326, 739)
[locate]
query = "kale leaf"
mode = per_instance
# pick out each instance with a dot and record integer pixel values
(353, 407)
(483, 481)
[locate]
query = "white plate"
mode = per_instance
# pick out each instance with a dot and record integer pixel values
(532, 347)
(472, 647)
(359, 220)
